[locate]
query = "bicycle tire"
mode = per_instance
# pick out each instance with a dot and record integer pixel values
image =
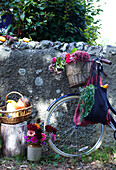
(81, 140)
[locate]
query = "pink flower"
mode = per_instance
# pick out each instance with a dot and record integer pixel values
(30, 133)
(43, 137)
(80, 56)
(34, 139)
(67, 60)
(51, 67)
(52, 136)
(27, 138)
(68, 55)
(54, 60)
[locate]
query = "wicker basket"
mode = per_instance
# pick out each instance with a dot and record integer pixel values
(18, 116)
(78, 73)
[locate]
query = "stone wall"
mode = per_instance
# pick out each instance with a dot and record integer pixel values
(24, 68)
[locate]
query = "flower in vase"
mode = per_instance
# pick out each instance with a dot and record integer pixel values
(30, 133)
(35, 134)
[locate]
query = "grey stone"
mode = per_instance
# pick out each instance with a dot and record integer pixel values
(38, 81)
(86, 47)
(22, 71)
(7, 48)
(80, 45)
(105, 48)
(38, 71)
(94, 50)
(15, 45)
(23, 45)
(57, 45)
(31, 91)
(71, 46)
(64, 47)
(47, 43)
(32, 44)
(58, 91)
(38, 46)
(113, 52)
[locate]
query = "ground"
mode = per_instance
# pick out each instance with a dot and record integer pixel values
(52, 161)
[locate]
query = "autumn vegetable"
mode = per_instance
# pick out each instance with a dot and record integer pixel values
(3, 39)
(105, 86)
(26, 39)
(13, 105)
(19, 105)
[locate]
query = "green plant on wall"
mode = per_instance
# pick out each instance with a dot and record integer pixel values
(62, 20)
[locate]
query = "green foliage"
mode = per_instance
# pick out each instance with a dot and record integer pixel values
(73, 50)
(19, 157)
(60, 62)
(86, 101)
(103, 154)
(62, 20)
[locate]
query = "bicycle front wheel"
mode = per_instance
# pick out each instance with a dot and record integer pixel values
(72, 140)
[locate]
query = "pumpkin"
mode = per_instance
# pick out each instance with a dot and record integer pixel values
(19, 105)
(105, 86)
(22, 102)
(3, 39)
(26, 39)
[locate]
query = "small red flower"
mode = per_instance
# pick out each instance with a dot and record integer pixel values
(67, 60)
(53, 60)
(31, 127)
(68, 55)
(50, 129)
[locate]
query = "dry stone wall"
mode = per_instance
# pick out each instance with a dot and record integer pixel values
(24, 68)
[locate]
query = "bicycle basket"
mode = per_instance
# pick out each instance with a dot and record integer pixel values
(78, 73)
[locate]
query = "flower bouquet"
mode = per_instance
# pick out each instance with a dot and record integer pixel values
(58, 64)
(77, 66)
(35, 138)
(34, 134)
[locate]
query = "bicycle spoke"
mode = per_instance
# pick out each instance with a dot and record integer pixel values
(63, 134)
(72, 140)
(64, 139)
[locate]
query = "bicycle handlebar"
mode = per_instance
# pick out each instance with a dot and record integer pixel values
(106, 61)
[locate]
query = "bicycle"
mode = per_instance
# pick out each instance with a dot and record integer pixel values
(72, 140)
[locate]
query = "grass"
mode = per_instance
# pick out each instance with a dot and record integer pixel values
(104, 155)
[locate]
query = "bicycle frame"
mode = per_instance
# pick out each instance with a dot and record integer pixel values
(112, 123)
